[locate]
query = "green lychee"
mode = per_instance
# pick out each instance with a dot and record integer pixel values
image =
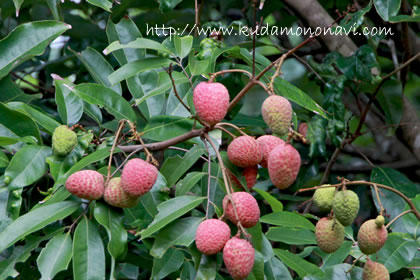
(323, 198)
(329, 234)
(277, 114)
(63, 140)
(346, 206)
(375, 271)
(114, 195)
(371, 237)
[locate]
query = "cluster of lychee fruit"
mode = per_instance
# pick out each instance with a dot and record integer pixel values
(137, 178)
(329, 231)
(214, 235)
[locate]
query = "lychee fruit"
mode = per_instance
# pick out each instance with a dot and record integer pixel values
(277, 114)
(63, 140)
(244, 151)
(238, 256)
(246, 207)
(345, 205)
(323, 198)
(303, 129)
(329, 234)
(114, 195)
(267, 144)
(375, 271)
(138, 177)
(283, 165)
(372, 236)
(250, 174)
(87, 184)
(211, 101)
(211, 236)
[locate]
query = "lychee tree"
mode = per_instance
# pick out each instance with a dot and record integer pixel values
(130, 152)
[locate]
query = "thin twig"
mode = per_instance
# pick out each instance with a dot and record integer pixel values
(233, 126)
(209, 178)
(225, 130)
(117, 137)
(399, 216)
(175, 90)
(381, 207)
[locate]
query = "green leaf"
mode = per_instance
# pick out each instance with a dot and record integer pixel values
(170, 262)
(28, 40)
(54, 8)
(11, 92)
(98, 68)
(299, 265)
(276, 205)
(133, 68)
(387, 8)
(28, 165)
(35, 220)
(89, 257)
(287, 219)
(55, 257)
(186, 184)
(175, 167)
(390, 98)
(17, 124)
(181, 232)
(4, 160)
(102, 96)
(104, 4)
(161, 128)
(339, 272)
(396, 253)
(183, 45)
(292, 236)
(207, 269)
(168, 5)
(69, 105)
(276, 270)
(171, 210)
(112, 221)
(139, 43)
(337, 257)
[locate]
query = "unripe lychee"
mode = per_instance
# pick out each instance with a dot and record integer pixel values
(138, 177)
(244, 151)
(277, 114)
(323, 198)
(238, 256)
(267, 144)
(346, 206)
(375, 271)
(114, 195)
(246, 207)
(371, 237)
(87, 184)
(211, 101)
(63, 140)
(329, 234)
(283, 165)
(211, 236)
(250, 174)
(380, 221)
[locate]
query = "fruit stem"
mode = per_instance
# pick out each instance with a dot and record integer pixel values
(354, 263)
(233, 126)
(215, 74)
(175, 90)
(381, 207)
(397, 217)
(225, 130)
(117, 137)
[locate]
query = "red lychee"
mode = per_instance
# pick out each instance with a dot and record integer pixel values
(238, 256)
(371, 236)
(211, 236)
(246, 207)
(138, 177)
(244, 151)
(114, 195)
(267, 144)
(87, 184)
(283, 165)
(250, 174)
(277, 114)
(211, 101)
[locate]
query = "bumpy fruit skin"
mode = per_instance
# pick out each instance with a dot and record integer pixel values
(63, 140)
(346, 206)
(114, 195)
(329, 235)
(267, 144)
(138, 177)
(244, 151)
(246, 207)
(211, 236)
(211, 101)
(371, 238)
(283, 165)
(277, 114)
(87, 184)
(250, 174)
(303, 129)
(375, 271)
(323, 198)
(238, 256)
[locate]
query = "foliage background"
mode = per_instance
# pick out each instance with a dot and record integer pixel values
(71, 81)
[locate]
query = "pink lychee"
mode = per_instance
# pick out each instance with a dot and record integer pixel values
(250, 174)
(138, 177)
(371, 237)
(244, 151)
(246, 207)
(211, 236)
(267, 144)
(211, 101)
(87, 184)
(238, 256)
(277, 114)
(283, 165)
(114, 195)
